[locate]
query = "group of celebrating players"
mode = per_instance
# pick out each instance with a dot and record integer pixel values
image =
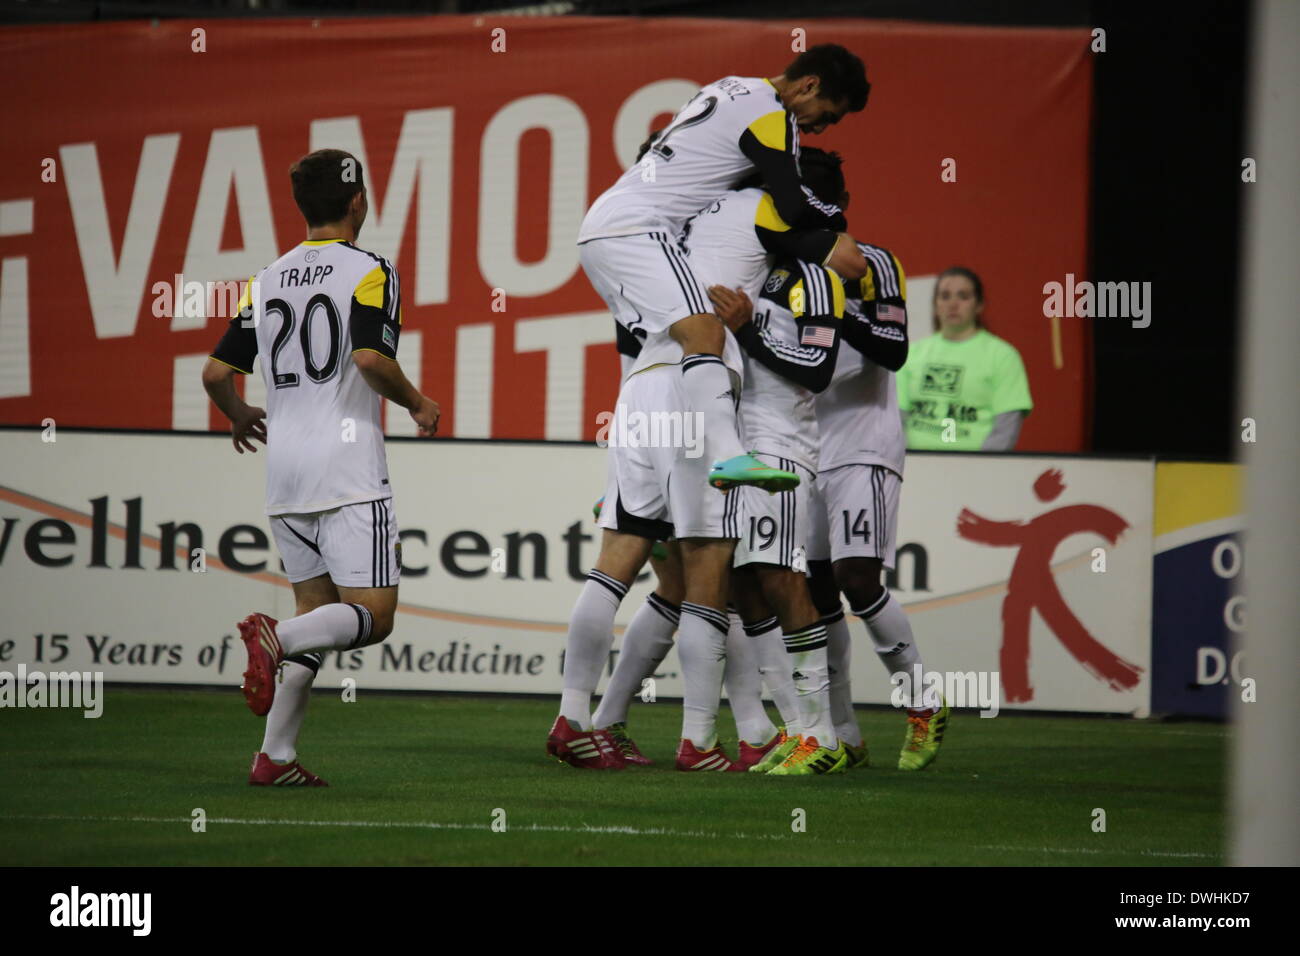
(741, 300)
(789, 353)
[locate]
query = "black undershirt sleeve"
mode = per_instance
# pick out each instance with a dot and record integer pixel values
(238, 346)
(878, 329)
(794, 201)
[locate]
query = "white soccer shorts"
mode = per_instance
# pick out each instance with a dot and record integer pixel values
(774, 528)
(657, 486)
(646, 280)
(854, 514)
(356, 545)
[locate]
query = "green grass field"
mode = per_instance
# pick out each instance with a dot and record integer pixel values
(415, 780)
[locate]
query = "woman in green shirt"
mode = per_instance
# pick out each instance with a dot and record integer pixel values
(963, 389)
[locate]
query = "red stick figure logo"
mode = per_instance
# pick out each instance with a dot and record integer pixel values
(1032, 585)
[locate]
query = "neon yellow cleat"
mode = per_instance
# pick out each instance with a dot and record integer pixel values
(811, 759)
(857, 756)
(776, 756)
(922, 739)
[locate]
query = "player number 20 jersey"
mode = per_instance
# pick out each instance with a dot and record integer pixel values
(302, 317)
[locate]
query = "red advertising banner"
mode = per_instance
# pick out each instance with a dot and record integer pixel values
(146, 163)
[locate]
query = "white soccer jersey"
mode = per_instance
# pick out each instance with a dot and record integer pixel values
(723, 251)
(310, 310)
(789, 354)
(722, 242)
(857, 414)
(694, 160)
(735, 240)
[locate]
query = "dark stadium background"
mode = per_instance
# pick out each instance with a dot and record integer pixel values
(1166, 176)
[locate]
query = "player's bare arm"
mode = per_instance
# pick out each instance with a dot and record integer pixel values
(386, 377)
(247, 422)
(846, 259)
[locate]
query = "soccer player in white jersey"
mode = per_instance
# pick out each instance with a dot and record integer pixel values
(649, 637)
(856, 498)
(731, 243)
(791, 340)
(628, 246)
(323, 320)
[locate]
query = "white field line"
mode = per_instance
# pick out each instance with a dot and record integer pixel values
(543, 828)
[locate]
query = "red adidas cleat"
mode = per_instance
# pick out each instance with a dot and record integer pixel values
(688, 758)
(631, 752)
(586, 749)
(266, 773)
(750, 755)
(264, 656)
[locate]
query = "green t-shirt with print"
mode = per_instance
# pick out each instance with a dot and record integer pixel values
(970, 382)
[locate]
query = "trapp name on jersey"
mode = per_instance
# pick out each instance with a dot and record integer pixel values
(303, 316)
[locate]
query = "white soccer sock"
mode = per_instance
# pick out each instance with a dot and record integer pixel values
(774, 666)
(702, 647)
(839, 654)
(807, 650)
(891, 632)
(708, 385)
(330, 627)
(745, 686)
(280, 740)
(586, 651)
(646, 643)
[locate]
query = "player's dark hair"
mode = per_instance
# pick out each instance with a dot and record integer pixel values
(823, 173)
(841, 74)
(324, 183)
(975, 281)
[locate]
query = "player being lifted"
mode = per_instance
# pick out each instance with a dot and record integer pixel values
(629, 249)
(732, 243)
(855, 498)
(324, 320)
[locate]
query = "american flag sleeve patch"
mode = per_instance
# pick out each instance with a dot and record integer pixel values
(890, 313)
(818, 335)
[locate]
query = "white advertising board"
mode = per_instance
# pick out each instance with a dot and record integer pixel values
(97, 531)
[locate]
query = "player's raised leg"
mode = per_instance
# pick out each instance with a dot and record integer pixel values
(360, 536)
(276, 763)
(708, 385)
